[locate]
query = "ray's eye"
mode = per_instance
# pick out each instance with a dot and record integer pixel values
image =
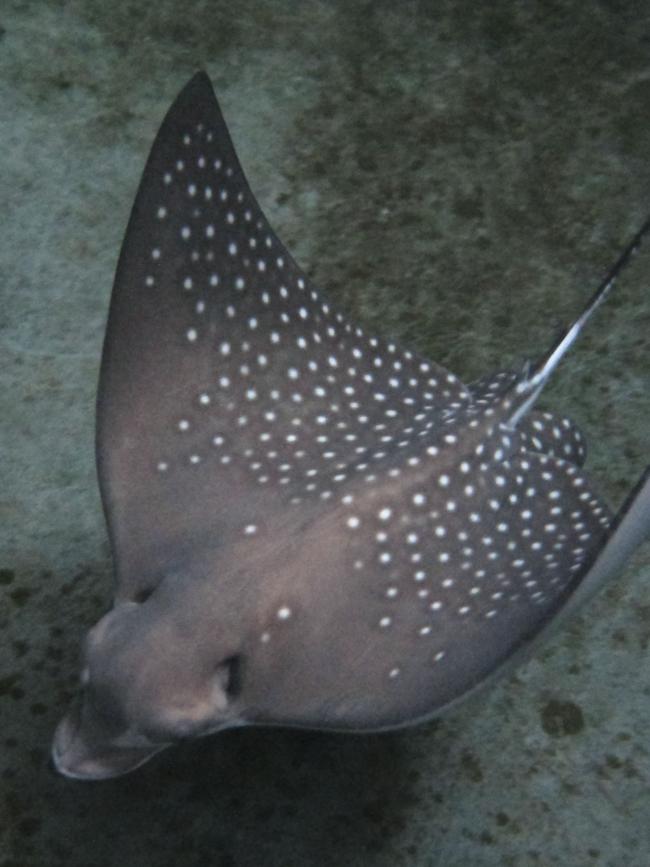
(229, 675)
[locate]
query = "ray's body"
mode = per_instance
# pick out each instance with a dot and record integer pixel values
(311, 526)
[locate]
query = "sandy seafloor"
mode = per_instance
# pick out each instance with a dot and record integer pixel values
(458, 175)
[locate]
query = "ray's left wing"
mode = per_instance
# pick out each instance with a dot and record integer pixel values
(229, 386)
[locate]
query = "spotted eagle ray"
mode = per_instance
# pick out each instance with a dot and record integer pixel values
(310, 526)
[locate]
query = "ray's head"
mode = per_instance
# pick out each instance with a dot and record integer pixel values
(143, 689)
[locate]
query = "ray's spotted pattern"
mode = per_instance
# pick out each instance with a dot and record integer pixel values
(311, 525)
(305, 401)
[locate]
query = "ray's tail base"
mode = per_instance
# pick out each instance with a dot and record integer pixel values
(537, 375)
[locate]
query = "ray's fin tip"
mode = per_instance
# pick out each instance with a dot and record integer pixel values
(201, 77)
(197, 85)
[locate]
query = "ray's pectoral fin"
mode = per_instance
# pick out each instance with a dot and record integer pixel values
(183, 296)
(222, 362)
(631, 528)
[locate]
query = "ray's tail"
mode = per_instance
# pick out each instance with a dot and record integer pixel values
(529, 387)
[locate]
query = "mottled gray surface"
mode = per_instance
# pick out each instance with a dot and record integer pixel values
(458, 177)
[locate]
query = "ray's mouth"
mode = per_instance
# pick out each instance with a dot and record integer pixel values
(65, 742)
(66, 734)
(76, 756)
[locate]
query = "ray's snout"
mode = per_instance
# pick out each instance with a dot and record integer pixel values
(81, 751)
(144, 688)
